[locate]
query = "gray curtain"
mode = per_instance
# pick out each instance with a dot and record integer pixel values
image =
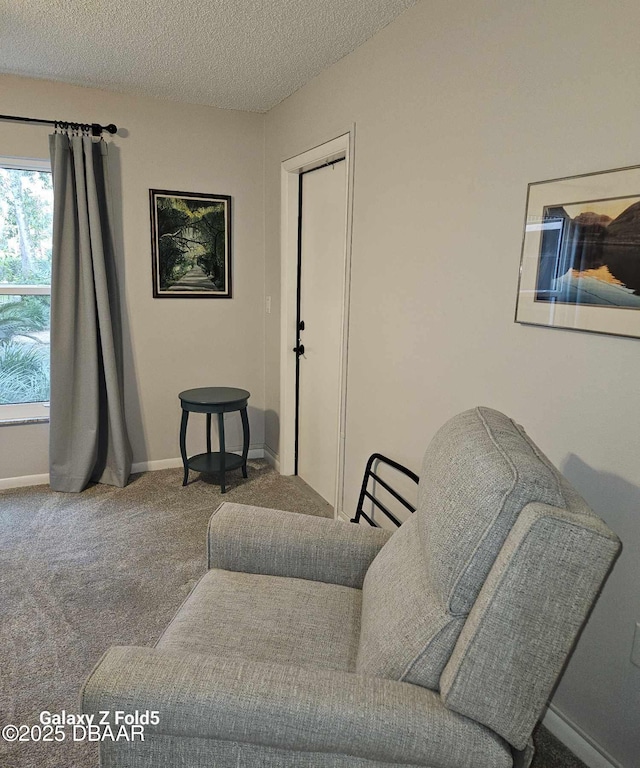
(88, 437)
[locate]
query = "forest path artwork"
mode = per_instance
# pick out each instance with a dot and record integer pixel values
(191, 244)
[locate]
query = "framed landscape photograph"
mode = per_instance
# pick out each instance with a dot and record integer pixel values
(580, 265)
(190, 245)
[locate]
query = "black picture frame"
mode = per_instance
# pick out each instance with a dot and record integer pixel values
(190, 245)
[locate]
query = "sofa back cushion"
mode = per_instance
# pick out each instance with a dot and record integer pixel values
(406, 630)
(479, 471)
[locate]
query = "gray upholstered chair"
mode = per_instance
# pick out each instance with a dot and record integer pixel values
(312, 642)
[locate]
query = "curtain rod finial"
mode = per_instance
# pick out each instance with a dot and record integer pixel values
(97, 129)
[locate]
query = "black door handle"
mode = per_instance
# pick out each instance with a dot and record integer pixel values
(299, 350)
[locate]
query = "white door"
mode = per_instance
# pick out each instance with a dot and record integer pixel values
(321, 290)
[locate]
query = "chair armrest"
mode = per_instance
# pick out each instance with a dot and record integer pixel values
(275, 705)
(278, 543)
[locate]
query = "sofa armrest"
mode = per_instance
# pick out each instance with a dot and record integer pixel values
(278, 543)
(275, 705)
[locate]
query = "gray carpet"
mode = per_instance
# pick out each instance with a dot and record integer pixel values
(82, 572)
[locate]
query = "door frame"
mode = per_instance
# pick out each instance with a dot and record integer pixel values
(341, 146)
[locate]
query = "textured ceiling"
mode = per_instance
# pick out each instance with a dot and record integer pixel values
(234, 54)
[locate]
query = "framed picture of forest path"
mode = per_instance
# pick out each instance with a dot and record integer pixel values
(190, 245)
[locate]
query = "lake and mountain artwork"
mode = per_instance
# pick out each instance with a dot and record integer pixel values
(191, 244)
(590, 253)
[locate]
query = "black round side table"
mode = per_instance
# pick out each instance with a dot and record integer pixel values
(218, 400)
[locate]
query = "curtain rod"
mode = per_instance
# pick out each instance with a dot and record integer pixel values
(96, 128)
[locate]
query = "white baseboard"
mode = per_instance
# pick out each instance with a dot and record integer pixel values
(139, 466)
(152, 466)
(582, 745)
(21, 482)
(342, 515)
(272, 458)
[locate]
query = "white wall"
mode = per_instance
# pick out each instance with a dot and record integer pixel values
(170, 344)
(457, 106)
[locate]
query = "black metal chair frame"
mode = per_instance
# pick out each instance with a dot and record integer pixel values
(370, 474)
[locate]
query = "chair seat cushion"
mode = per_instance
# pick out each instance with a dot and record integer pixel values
(269, 618)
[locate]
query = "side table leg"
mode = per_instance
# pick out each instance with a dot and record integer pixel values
(245, 442)
(183, 445)
(222, 450)
(208, 433)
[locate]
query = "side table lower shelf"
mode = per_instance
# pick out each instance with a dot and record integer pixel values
(211, 462)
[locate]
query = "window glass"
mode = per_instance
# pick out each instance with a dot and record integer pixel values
(26, 210)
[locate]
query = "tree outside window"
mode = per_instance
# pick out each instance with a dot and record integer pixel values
(26, 210)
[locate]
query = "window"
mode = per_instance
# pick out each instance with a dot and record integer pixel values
(26, 212)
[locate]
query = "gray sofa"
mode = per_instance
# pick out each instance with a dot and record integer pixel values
(312, 642)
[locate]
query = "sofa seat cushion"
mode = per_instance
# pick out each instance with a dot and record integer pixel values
(268, 618)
